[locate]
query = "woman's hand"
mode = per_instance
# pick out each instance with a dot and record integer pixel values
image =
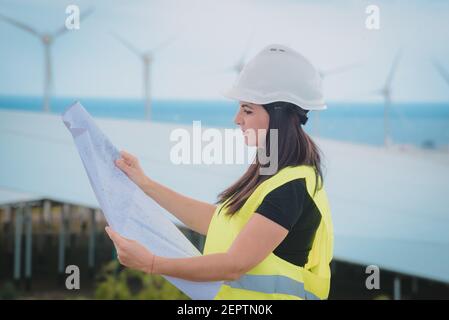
(129, 164)
(132, 254)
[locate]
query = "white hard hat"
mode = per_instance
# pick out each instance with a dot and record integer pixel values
(279, 73)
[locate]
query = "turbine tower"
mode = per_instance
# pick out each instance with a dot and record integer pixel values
(47, 40)
(147, 58)
(385, 92)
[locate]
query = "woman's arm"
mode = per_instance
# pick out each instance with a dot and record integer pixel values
(255, 242)
(193, 213)
(211, 267)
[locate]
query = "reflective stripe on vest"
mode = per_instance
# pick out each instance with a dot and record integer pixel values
(272, 284)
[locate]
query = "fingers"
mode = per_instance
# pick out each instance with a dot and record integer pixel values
(122, 245)
(116, 240)
(122, 165)
(126, 161)
(115, 237)
(127, 157)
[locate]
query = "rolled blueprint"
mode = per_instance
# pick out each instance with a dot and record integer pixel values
(127, 209)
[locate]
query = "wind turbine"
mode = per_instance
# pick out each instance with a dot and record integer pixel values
(238, 64)
(385, 91)
(324, 74)
(147, 58)
(47, 40)
(443, 72)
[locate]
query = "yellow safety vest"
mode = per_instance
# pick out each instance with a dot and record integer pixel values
(276, 278)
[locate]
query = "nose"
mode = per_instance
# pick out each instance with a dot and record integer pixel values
(238, 119)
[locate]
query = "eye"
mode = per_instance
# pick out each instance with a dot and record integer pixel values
(247, 112)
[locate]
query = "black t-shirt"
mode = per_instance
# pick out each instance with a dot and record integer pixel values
(291, 206)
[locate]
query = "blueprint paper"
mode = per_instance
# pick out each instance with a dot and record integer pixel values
(128, 210)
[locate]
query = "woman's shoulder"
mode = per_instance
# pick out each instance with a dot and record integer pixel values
(295, 172)
(305, 173)
(289, 188)
(284, 204)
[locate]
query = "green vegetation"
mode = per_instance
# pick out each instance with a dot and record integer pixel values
(115, 282)
(8, 291)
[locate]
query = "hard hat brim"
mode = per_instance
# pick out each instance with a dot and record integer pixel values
(237, 94)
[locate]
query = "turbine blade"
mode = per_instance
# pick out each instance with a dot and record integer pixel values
(83, 16)
(127, 44)
(247, 45)
(393, 68)
(377, 92)
(169, 41)
(19, 25)
(443, 73)
(237, 67)
(240, 63)
(322, 73)
(164, 44)
(222, 70)
(340, 69)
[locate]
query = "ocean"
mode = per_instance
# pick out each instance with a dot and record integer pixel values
(421, 124)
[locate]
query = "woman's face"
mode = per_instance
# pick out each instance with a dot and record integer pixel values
(251, 118)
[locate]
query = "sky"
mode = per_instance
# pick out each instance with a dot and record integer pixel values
(210, 36)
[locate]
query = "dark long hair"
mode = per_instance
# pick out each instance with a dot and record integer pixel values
(295, 147)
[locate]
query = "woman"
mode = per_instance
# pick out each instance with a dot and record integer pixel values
(270, 235)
